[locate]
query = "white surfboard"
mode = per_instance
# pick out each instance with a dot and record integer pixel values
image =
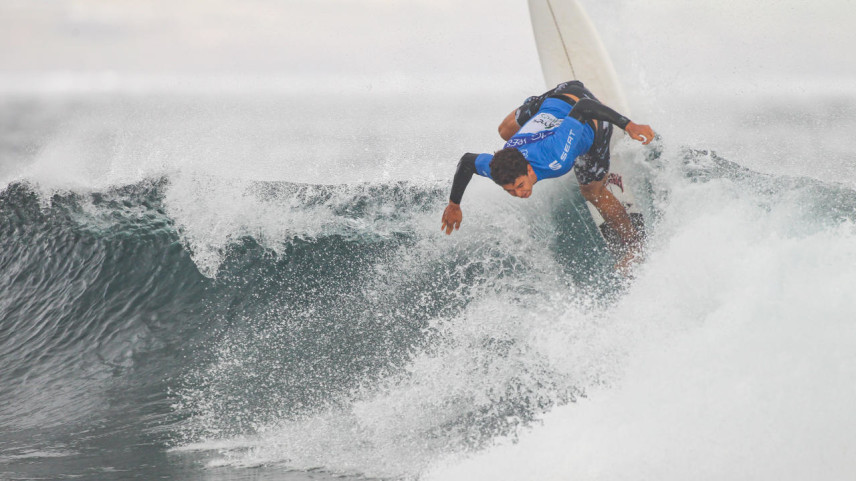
(570, 49)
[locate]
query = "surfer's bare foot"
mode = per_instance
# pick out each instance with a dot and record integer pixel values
(626, 264)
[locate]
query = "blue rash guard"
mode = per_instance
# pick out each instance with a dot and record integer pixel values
(551, 141)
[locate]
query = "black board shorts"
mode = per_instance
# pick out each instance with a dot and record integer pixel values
(594, 164)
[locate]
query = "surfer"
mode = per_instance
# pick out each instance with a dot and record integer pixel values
(564, 128)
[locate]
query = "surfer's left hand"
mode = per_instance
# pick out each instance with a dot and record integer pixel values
(642, 133)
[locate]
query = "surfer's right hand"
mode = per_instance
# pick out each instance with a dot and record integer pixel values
(452, 218)
(642, 133)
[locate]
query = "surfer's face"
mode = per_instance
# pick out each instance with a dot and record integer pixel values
(521, 187)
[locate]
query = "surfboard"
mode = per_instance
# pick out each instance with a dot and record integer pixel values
(569, 48)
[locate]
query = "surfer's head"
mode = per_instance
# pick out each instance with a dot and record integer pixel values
(512, 172)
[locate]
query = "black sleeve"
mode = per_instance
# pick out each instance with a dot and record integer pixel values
(466, 169)
(590, 109)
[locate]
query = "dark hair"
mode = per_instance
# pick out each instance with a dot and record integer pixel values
(507, 165)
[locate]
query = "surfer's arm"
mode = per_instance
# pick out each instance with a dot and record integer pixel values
(589, 109)
(463, 175)
(453, 216)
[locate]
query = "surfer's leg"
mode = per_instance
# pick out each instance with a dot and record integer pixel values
(518, 117)
(610, 208)
(509, 126)
(571, 87)
(594, 164)
(616, 219)
(591, 171)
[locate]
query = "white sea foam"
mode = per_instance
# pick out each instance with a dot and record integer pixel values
(743, 366)
(729, 357)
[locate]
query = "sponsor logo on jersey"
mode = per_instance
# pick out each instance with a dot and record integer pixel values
(567, 148)
(525, 139)
(542, 121)
(555, 165)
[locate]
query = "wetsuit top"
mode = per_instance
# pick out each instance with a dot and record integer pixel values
(550, 141)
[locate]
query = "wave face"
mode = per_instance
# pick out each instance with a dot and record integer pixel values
(189, 308)
(171, 319)
(98, 299)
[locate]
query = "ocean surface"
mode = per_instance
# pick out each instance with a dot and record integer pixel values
(238, 287)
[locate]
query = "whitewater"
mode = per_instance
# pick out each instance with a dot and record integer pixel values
(231, 278)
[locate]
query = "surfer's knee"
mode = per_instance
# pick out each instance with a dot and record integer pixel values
(508, 127)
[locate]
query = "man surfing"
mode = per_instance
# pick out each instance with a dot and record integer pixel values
(564, 128)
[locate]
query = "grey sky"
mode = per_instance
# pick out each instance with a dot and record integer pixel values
(659, 42)
(261, 36)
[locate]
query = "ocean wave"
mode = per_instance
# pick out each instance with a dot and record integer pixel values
(333, 325)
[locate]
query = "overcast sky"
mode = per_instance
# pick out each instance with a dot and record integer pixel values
(357, 37)
(652, 41)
